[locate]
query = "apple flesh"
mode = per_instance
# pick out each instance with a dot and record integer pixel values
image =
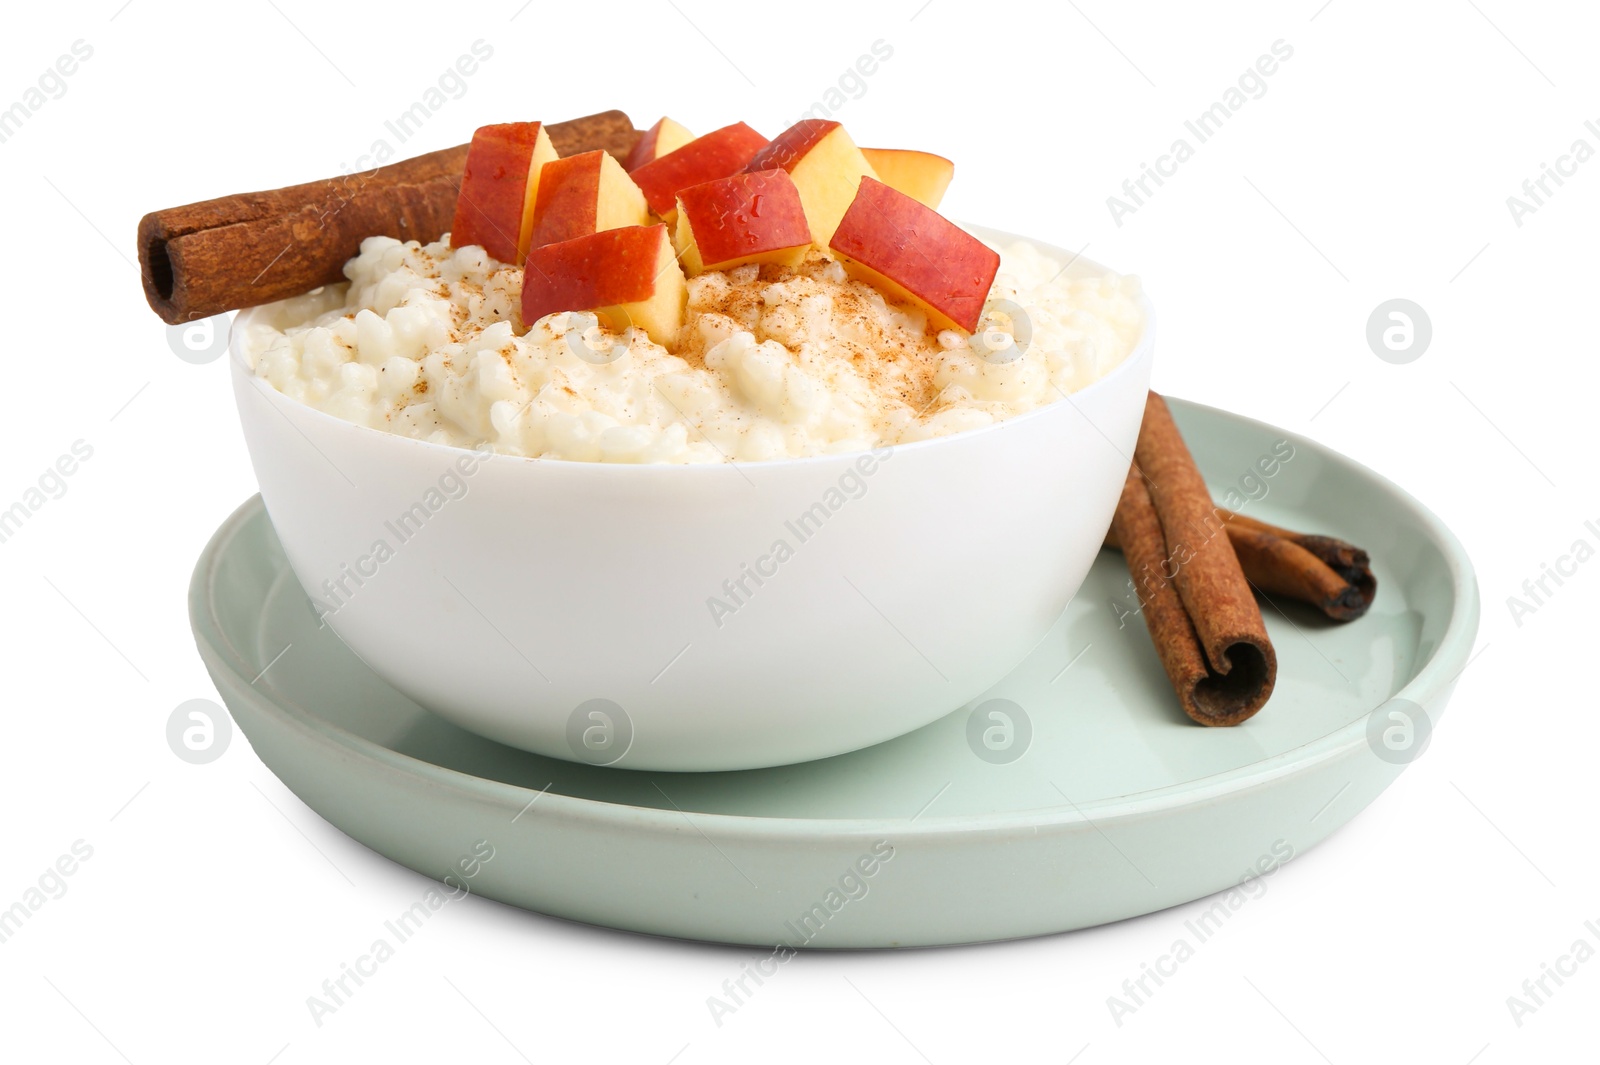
(826, 167)
(912, 253)
(739, 219)
(921, 175)
(584, 194)
(627, 277)
(499, 186)
(663, 137)
(719, 153)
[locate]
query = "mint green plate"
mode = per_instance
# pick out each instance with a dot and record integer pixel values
(1072, 794)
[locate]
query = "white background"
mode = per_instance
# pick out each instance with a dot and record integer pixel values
(1377, 165)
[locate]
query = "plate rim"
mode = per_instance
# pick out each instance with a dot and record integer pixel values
(1432, 682)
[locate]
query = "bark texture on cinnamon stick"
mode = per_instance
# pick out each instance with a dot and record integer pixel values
(1199, 608)
(1324, 572)
(256, 247)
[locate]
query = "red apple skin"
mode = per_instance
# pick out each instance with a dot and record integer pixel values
(644, 149)
(792, 144)
(940, 265)
(744, 214)
(717, 154)
(569, 190)
(598, 270)
(494, 188)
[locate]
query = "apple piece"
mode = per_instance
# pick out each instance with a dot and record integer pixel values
(663, 137)
(912, 253)
(499, 186)
(719, 153)
(627, 277)
(584, 194)
(741, 218)
(826, 166)
(921, 175)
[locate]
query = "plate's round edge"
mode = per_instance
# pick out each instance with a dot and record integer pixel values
(1431, 683)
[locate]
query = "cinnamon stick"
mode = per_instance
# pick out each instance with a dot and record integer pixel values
(256, 247)
(1196, 602)
(1330, 574)
(1333, 576)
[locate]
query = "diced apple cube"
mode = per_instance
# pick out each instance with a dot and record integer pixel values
(826, 166)
(719, 153)
(585, 194)
(499, 186)
(921, 175)
(741, 218)
(912, 253)
(663, 137)
(627, 277)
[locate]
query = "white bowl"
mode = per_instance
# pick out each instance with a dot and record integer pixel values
(562, 607)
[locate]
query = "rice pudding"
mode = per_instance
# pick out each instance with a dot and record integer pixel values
(771, 362)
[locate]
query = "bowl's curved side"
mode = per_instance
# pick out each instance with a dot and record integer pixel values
(872, 593)
(716, 617)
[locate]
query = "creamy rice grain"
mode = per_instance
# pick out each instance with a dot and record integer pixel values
(772, 363)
